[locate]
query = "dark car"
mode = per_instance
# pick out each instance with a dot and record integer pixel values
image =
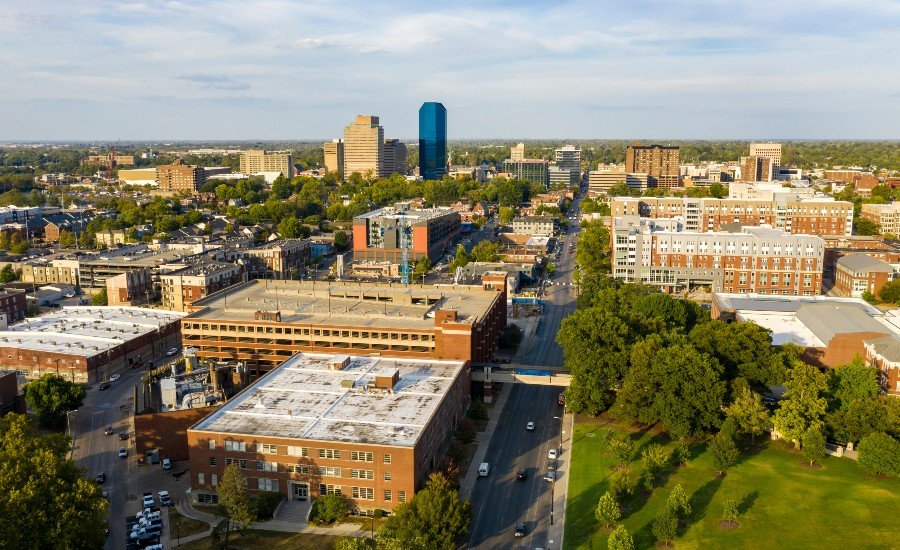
(123, 436)
(105, 386)
(520, 529)
(522, 474)
(551, 466)
(100, 478)
(108, 431)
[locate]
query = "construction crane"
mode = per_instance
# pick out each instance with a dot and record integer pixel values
(405, 245)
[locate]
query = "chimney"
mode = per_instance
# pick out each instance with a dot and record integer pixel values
(339, 362)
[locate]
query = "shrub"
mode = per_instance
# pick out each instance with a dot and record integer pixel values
(622, 448)
(266, 502)
(681, 453)
(879, 453)
(329, 509)
(477, 411)
(465, 432)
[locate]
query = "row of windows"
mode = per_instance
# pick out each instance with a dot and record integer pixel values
(324, 471)
(291, 450)
(311, 332)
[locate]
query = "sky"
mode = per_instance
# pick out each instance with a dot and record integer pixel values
(526, 69)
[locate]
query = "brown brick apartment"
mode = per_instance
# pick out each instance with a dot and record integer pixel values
(377, 234)
(369, 428)
(263, 323)
(858, 273)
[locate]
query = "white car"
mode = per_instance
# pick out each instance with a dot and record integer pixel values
(171, 351)
(114, 377)
(530, 426)
(552, 454)
(166, 464)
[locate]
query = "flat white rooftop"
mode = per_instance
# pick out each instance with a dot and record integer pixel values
(85, 330)
(303, 398)
(785, 327)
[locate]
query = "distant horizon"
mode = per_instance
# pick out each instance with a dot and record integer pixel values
(644, 141)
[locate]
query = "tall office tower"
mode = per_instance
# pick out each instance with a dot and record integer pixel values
(755, 168)
(517, 152)
(568, 157)
(394, 156)
(767, 150)
(334, 156)
(255, 161)
(364, 147)
(432, 140)
(659, 162)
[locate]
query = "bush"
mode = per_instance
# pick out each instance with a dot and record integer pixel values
(329, 509)
(879, 453)
(465, 432)
(510, 337)
(477, 411)
(265, 503)
(622, 449)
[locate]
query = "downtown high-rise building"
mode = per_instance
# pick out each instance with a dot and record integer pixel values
(432, 140)
(767, 150)
(659, 162)
(364, 148)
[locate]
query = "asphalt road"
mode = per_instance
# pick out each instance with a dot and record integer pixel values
(499, 501)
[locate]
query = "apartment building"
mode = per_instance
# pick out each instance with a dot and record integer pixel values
(517, 152)
(544, 226)
(884, 354)
(533, 170)
(334, 156)
(368, 428)
(185, 286)
(123, 160)
(660, 163)
(110, 238)
(819, 216)
(263, 323)
(755, 168)
(130, 289)
(378, 235)
(771, 151)
(568, 157)
(276, 259)
(13, 305)
(255, 161)
(179, 178)
(364, 147)
(887, 216)
(858, 273)
(660, 252)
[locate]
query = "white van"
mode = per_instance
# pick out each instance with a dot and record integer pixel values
(484, 469)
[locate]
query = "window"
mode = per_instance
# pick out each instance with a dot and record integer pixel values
(329, 489)
(362, 474)
(361, 456)
(207, 498)
(201, 479)
(387, 459)
(241, 463)
(364, 493)
(235, 446)
(297, 451)
(298, 469)
(266, 466)
(212, 461)
(266, 448)
(387, 476)
(329, 471)
(214, 480)
(329, 453)
(387, 495)
(401, 496)
(265, 484)
(212, 444)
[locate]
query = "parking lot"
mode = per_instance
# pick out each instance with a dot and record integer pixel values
(151, 478)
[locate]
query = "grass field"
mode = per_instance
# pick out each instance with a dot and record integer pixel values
(782, 503)
(254, 539)
(186, 526)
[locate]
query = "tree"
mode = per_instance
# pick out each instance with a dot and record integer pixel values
(813, 445)
(423, 266)
(654, 458)
(506, 215)
(341, 240)
(47, 500)
(879, 454)
(51, 396)
(460, 260)
(622, 449)
(890, 292)
(679, 503)
(329, 509)
(620, 539)
(8, 274)
(233, 501)
(434, 518)
(665, 525)
(717, 190)
(100, 298)
(290, 228)
(730, 511)
(859, 418)
(744, 350)
(723, 451)
(862, 226)
(485, 251)
(751, 415)
(803, 405)
(852, 381)
(607, 511)
(680, 453)
(66, 239)
(618, 484)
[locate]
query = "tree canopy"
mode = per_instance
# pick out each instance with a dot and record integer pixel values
(51, 396)
(435, 518)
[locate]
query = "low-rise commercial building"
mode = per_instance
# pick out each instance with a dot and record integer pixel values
(256, 161)
(369, 428)
(858, 273)
(264, 322)
(378, 235)
(183, 287)
(600, 181)
(544, 226)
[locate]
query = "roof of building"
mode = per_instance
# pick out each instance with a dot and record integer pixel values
(886, 346)
(785, 304)
(864, 263)
(304, 398)
(85, 331)
(828, 320)
(204, 268)
(347, 303)
(411, 214)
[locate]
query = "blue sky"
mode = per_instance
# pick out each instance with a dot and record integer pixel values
(277, 69)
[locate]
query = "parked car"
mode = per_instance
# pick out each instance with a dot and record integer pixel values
(552, 454)
(171, 351)
(104, 386)
(552, 465)
(520, 529)
(114, 377)
(148, 500)
(109, 430)
(165, 499)
(521, 474)
(123, 452)
(100, 478)
(550, 477)
(166, 464)
(123, 436)
(530, 426)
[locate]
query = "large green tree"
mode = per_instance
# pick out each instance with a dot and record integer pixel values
(607, 511)
(749, 412)
(341, 240)
(46, 500)
(51, 396)
(879, 453)
(435, 518)
(852, 381)
(744, 350)
(235, 504)
(485, 251)
(803, 406)
(620, 539)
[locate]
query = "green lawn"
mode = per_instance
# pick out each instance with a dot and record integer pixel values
(782, 503)
(254, 539)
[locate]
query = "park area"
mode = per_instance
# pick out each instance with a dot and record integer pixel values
(781, 501)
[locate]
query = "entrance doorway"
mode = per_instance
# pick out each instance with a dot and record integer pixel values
(299, 491)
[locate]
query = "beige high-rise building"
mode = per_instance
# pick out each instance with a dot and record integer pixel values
(394, 156)
(364, 147)
(767, 150)
(517, 152)
(755, 168)
(659, 162)
(179, 178)
(254, 161)
(334, 156)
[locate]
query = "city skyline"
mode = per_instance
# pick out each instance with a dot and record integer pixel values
(219, 71)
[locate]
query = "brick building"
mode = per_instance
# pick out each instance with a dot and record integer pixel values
(874, 247)
(377, 234)
(182, 287)
(263, 323)
(276, 259)
(13, 305)
(884, 354)
(11, 400)
(744, 259)
(819, 216)
(130, 289)
(179, 178)
(368, 428)
(887, 216)
(858, 273)
(660, 163)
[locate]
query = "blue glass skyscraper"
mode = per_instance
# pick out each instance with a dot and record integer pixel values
(432, 140)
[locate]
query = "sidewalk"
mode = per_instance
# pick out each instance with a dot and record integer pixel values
(484, 440)
(556, 531)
